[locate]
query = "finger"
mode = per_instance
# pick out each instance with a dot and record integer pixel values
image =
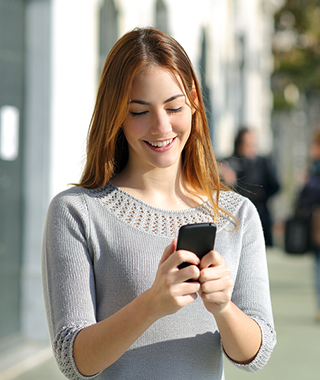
(169, 251)
(212, 258)
(222, 285)
(189, 273)
(186, 257)
(190, 288)
(179, 275)
(214, 273)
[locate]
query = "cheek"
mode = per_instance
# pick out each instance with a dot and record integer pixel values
(127, 131)
(184, 122)
(131, 129)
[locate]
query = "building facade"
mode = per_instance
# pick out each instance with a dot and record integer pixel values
(51, 56)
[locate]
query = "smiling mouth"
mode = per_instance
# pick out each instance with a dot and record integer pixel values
(160, 144)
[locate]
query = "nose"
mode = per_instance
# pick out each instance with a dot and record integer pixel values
(161, 125)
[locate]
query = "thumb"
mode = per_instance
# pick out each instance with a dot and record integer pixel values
(169, 250)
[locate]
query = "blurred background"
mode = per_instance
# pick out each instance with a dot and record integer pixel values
(258, 62)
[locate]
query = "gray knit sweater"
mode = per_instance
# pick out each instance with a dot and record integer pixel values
(101, 249)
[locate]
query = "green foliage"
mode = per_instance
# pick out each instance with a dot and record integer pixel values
(297, 49)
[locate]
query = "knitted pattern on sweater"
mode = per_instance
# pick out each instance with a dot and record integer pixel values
(101, 249)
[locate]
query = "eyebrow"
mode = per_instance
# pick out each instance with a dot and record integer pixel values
(143, 102)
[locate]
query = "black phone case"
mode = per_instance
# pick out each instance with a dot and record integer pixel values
(198, 238)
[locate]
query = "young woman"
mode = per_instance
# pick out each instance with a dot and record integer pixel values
(118, 306)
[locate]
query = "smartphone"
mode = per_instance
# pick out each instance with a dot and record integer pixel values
(198, 238)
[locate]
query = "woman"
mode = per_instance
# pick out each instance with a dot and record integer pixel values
(252, 176)
(118, 306)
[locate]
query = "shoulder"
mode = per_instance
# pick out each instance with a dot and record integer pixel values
(235, 162)
(265, 161)
(232, 202)
(81, 202)
(240, 207)
(68, 214)
(68, 198)
(70, 203)
(245, 220)
(231, 159)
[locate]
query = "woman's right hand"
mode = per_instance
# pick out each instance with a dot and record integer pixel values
(98, 346)
(170, 292)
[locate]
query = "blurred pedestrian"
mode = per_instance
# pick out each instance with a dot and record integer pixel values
(309, 200)
(117, 304)
(252, 176)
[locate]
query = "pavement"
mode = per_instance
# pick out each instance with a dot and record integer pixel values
(297, 354)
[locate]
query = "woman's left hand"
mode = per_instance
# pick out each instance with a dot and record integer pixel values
(216, 283)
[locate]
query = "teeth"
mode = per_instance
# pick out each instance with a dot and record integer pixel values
(160, 144)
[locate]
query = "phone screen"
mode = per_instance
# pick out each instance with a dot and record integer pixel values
(198, 238)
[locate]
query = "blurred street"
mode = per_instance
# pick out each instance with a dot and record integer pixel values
(297, 354)
(257, 64)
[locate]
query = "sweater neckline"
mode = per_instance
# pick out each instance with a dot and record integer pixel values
(110, 186)
(138, 214)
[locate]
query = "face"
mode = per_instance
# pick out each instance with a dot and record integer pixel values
(248, 147)
(159, 120)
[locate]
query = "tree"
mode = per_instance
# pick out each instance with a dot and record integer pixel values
(296, 52)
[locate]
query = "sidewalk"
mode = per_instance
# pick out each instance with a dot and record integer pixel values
(297, 354)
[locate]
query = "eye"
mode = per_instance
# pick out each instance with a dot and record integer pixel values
(137, 114)
(175, 110)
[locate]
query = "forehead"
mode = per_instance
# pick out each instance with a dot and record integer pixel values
(156, 80)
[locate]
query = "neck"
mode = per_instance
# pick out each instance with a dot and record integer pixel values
(159, 187)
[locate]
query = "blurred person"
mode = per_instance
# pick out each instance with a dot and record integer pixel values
(309, 200)
(117, 304)
(252, 176)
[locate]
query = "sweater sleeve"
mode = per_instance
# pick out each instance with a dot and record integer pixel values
(67, 276)
(254, 298)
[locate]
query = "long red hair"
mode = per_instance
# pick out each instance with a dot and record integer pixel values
(107, 150)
